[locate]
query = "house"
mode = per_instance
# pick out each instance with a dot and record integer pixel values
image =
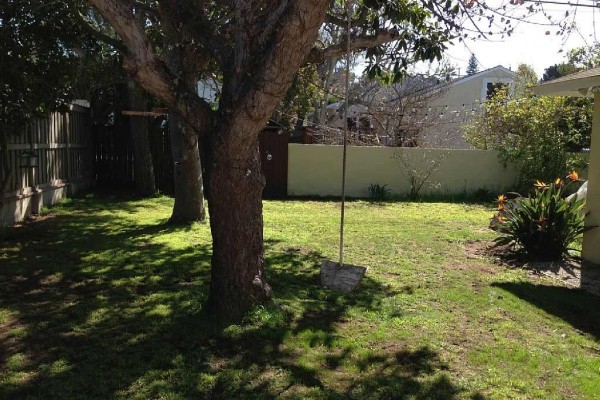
(376, 112)
(421, 111)
(458, 102)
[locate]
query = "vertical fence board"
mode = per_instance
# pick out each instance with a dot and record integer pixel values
(61, 142)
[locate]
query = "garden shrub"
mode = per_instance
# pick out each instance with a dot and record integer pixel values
(543, 224)
(378, 192)
(538, 134)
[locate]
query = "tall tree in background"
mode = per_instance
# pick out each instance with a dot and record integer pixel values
(558, 70)
(472, 66)
(526, 78)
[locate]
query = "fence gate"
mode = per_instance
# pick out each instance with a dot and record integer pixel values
(274, 159)
(113, 156)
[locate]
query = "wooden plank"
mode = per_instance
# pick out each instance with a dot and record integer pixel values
(46, 146)
(144, 113)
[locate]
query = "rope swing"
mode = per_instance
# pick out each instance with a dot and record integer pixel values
(345, 148)
(338, 276)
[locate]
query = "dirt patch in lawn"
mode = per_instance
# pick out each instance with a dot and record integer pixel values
(567, 271)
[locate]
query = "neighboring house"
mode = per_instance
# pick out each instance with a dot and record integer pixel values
(419, 112)
(458, 103)
(376, 113)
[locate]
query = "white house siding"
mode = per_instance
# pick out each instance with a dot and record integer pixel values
(456, 107)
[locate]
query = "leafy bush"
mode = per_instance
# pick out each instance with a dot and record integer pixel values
(537, 134)
(378, 192)
(544, 224)
(482, 194)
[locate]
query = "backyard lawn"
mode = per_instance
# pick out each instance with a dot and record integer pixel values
(99, 299)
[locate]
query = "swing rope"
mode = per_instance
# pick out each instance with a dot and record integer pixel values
(344, 157)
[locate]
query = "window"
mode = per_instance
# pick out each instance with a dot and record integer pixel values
(492, 85)
(493, 88)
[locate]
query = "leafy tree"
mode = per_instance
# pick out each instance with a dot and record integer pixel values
(536, 133)
(585, 57)
(558, 70)
(258, 48)
(526, 78)
(36, 61)
(472, 66)
(579, 108)
(301, 98)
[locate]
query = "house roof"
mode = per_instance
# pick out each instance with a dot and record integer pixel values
(578, 84)
(489, 71)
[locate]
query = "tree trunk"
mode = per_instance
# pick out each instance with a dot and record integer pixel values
(5, 166)
(235, 198)
(258, 63)
(189, 190)
(143, 169)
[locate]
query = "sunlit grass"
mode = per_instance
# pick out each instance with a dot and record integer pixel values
(103, 300)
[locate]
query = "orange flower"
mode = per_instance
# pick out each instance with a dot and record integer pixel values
(501, 207)
(573, 176)
(501, 199)
(501, 219)
(540, 185)
(558, 182)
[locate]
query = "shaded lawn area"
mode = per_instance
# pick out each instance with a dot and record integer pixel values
(102, 300)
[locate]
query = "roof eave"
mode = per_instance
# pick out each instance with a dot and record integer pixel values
(570, 88)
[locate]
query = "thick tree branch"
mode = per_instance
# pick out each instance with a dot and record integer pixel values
(86, 24)
(271, 22)
(267, 82)
(148, 70)
(335, 51)
(141, 61)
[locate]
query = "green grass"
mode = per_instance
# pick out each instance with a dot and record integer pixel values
(102, 300)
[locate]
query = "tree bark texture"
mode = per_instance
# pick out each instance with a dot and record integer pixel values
(143, 168)
(189, 190)
(236, 180)
(235, 196)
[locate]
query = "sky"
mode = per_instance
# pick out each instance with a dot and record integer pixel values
(529, 43)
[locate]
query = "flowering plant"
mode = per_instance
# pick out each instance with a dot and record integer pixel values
(544, 224)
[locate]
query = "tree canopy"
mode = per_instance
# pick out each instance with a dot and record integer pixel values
(38, 48)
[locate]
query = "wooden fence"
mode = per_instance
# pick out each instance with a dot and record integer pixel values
(62, 143)
(114, 157)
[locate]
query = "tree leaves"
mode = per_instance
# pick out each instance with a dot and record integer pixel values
(37, 42)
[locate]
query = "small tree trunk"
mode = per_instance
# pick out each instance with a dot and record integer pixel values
(143, 169)
(5, 166)
(235, 198)
(189, 190)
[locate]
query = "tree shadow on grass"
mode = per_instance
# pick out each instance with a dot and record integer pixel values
(574, 306)
(93, 308)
